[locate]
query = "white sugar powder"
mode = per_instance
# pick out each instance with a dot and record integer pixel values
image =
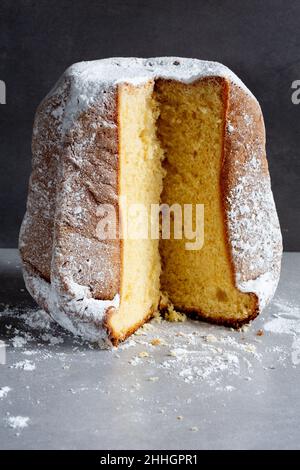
(17, 422)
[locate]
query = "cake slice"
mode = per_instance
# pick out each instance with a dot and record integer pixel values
(118, 142)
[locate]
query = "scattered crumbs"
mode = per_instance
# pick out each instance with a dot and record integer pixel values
(172, 316)
(17, 422)
(4, 391)
(143, 354)
(24, 365)
(194, 429)
(192, 355)
(153, 379)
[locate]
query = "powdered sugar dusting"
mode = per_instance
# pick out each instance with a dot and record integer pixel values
(287, 321)
(19, 341)
(181, 375)
(263, 286)
(89, 311)
(254, 231)
(4, 392)
(90, 81)
(17, 422)
(24, 365)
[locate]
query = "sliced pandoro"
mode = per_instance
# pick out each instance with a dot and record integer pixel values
(117, 135)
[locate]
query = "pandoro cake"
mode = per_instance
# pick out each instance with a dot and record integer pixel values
(159, 131)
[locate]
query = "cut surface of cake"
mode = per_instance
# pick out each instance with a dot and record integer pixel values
(117, 145)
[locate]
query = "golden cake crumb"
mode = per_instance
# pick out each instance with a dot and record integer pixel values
(164, 301)
(173, 316)
(172, 353)
(211, 338)
(157, 342)
(170, 314)
(143, 354)
(250, 348)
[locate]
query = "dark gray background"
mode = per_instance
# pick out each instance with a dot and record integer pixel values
(258, 39)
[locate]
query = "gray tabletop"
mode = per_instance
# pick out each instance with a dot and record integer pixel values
(171, 386)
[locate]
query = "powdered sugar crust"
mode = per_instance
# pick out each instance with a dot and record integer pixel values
(91, 81)
(75, 310)
(254, 232)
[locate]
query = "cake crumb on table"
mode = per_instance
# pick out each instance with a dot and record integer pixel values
(153, 379)
(211, 338)
(250, 348)
(143, 354)
(157, 342)
(172, 316)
